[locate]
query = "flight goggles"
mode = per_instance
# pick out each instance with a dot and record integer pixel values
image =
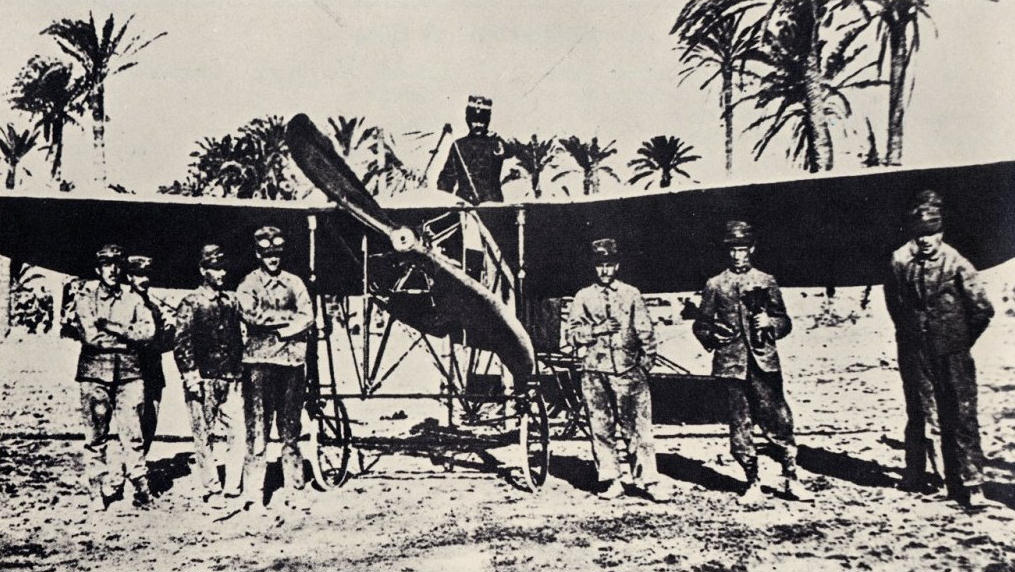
(266, 243)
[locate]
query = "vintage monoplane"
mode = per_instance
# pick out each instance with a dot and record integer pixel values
(486, 280)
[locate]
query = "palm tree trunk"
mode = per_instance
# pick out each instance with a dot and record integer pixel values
(727, 114)
(10, 176)
(820, 141)
(99, 134)
(589, 184)
(57, 144)
(896, 90)
(536, 191)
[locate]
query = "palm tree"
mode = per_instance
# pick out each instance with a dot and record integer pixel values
(662, 154)
(255, 163)
(897, 25)
(589, 157)
(387, 170)
(346, 133)
(532, 158)
(714, 35)
(47, 89)
(101, 54)
(807, 78)
(14, 145)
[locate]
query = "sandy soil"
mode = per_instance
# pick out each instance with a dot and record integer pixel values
(403, 511)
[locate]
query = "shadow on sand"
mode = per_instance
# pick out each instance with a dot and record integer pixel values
(581, 473)
(162, 473)
(842, 466)
(696, 472)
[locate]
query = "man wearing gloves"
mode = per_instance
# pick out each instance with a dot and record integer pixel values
(741, 317)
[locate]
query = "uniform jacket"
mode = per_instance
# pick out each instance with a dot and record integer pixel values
(108, 357)
(633, 346)
(723, 313)
(151, 352)
(479, 175)
(208, 337)
(938, 304)
(266, 301)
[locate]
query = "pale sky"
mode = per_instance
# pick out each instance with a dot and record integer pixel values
(553, 68)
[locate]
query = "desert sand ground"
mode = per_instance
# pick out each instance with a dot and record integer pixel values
(403, 511)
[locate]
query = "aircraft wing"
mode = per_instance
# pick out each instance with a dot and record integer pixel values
(62, 233)
(837, 231)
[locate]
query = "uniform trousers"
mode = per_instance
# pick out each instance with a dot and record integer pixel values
(954, 379)
(107, 408)
(620, 413)
(273, 393)
(216, 407)
(918, 390)
(150, 411)
(760, 400)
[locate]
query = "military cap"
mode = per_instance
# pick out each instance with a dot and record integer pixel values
(604, 250)
(478, 109)
(139, 265)
(927, 197)
(269, 240)
(109, 253)
(212, 256)
(738, 233)
(925, 220)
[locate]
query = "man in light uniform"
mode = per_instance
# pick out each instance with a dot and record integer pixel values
(278, 313)
(940, 309)
(209, 354)
(112, 321)
(610, 325)
(741, 317)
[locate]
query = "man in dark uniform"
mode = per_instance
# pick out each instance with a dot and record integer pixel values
(138, 275)
(917, 388)
(209, 353)
(610, 326)
(112, 321)
(742, 315)
(940, 308)
(278, 312)
(472, 169)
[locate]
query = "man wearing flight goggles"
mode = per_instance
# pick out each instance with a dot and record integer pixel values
(276, 308)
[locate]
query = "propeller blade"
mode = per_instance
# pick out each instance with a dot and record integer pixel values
(316, 157)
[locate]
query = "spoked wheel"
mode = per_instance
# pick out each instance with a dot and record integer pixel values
(332, 445)
(533, 439)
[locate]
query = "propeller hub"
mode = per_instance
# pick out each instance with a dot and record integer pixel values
(403, 239)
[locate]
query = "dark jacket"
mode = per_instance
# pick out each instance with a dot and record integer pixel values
(472, 170)
(151, 352)
(208, 335)
(938, 305)
(724, 322)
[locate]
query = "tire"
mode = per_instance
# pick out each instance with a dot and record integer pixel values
(331, 442)
(533, 439)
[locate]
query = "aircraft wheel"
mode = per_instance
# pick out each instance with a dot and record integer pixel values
(331, 442)
(533, 439)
